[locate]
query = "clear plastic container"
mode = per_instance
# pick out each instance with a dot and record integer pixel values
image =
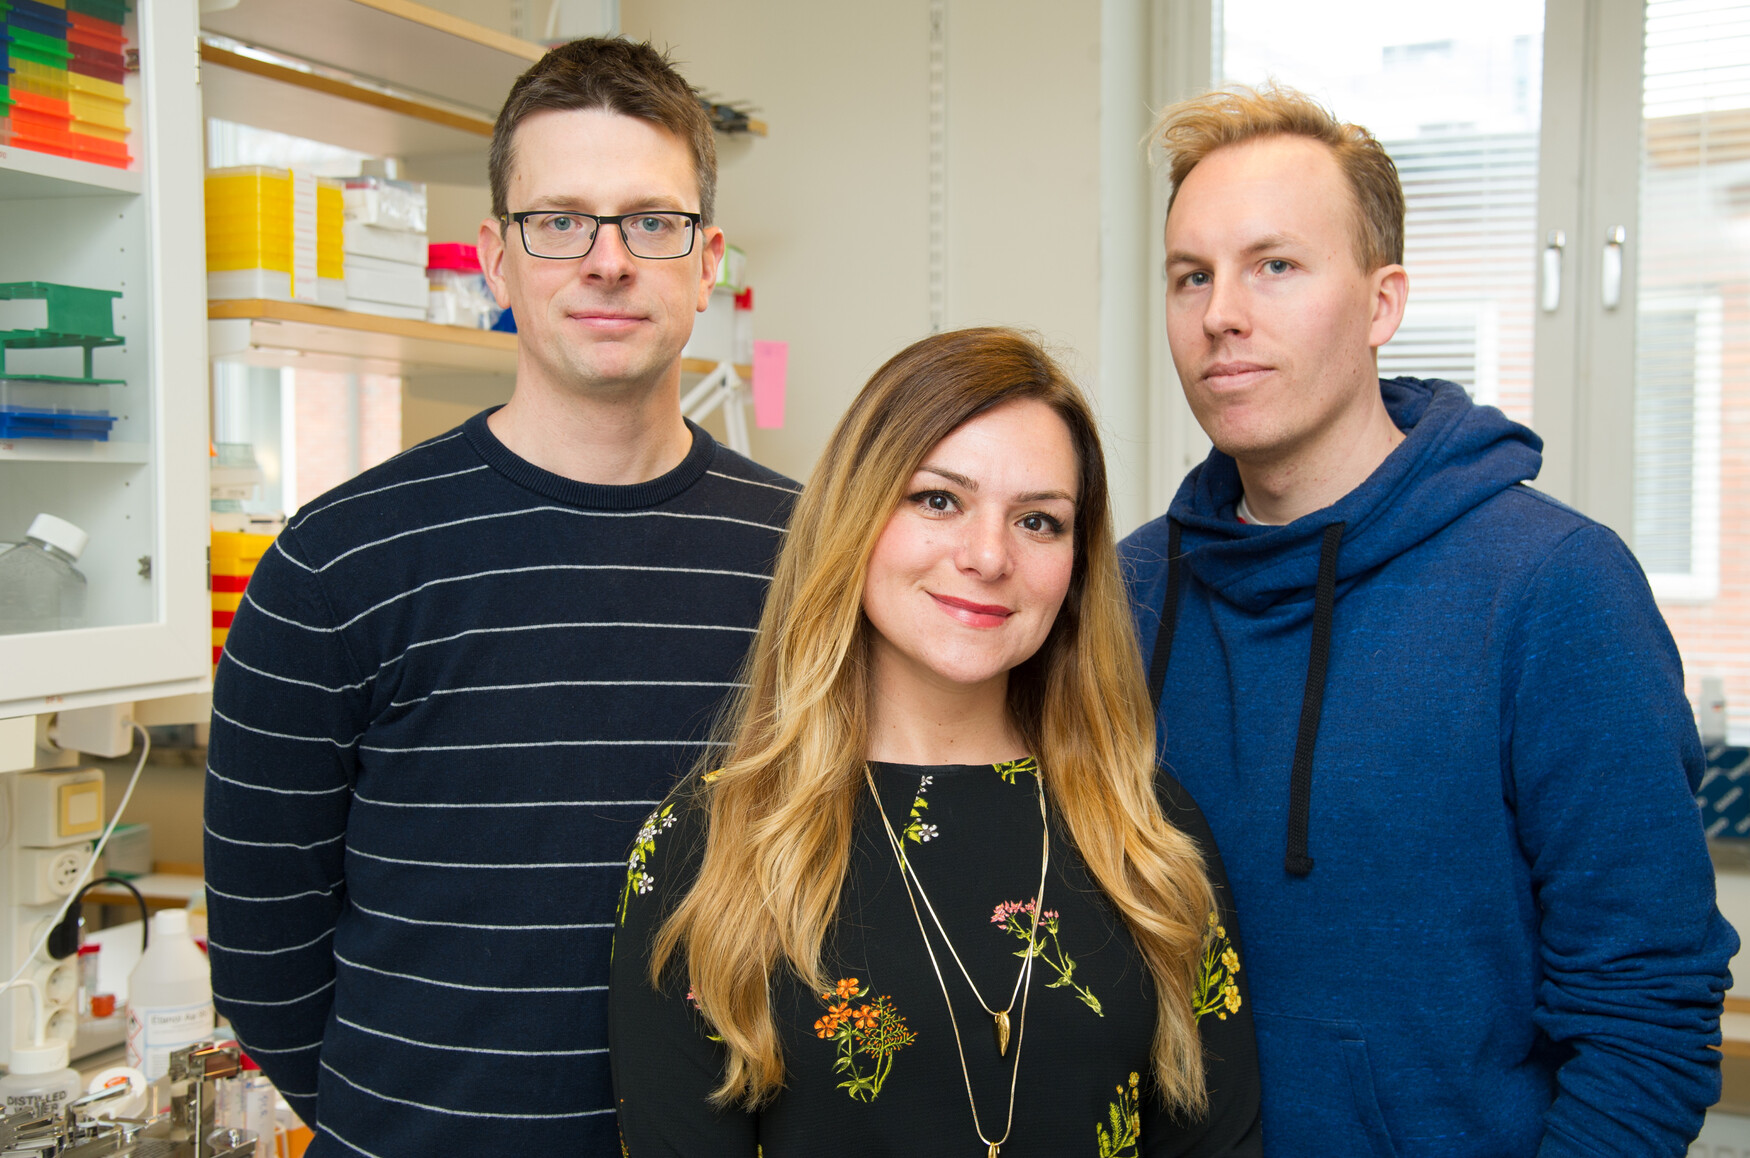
(170, 996)
(40, 589)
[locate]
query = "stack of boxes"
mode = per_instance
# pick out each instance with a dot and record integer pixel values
(275, 234)
(386, 247)
(64, 65)
(235, 555)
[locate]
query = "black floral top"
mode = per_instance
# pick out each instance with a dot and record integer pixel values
(871, 1067)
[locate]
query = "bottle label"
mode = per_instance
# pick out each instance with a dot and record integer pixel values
(157, 1032)
(44, 1102)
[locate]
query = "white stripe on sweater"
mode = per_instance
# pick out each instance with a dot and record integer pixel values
(568, 684)
(363, 799)
(306, 514)
(227, 655)
(755, 482)
(287, 735)
(325, 1128)
(280, 791)
(523, 1116)
(558, 626)
(468, 1048)
(289, 1001)
(472, 988)
(473, 925)
(328, 892)
(273, 843)
(554, 510)
(580, 864)
(426, 586)
(319, 937)
(544, 744)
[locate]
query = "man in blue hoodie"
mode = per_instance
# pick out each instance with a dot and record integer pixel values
(1434, 717)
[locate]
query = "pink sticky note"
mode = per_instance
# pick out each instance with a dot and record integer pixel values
(771, 361)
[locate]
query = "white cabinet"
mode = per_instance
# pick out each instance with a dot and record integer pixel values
(142, 495)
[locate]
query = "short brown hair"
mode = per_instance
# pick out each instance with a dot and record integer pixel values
(1189, 131)
(620, 76)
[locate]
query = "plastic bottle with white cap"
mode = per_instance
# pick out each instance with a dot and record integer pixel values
(39, 1080)
(170, 996)
(40, 589)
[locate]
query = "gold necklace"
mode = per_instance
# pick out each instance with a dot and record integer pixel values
(1024, 982)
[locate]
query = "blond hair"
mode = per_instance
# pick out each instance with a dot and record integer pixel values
(1189, 131)
(782, 806)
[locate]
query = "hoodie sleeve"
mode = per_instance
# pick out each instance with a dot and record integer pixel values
(1603, 760)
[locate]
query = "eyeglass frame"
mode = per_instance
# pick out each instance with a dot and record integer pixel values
(697, 220)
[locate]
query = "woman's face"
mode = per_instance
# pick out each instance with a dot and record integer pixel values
(967, 576)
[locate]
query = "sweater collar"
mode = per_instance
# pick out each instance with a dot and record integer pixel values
(597, 496)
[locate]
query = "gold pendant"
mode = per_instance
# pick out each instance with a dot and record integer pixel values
(1002, 1020)
(993, 1145)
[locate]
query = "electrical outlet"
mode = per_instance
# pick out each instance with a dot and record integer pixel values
(48, 874)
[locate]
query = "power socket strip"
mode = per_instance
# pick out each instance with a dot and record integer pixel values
(48, 874)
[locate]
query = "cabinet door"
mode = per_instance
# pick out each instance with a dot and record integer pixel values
(140, 494)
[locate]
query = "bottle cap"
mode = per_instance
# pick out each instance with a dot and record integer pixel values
(170, 923)
(103, 1005)
(59, 533)
(40, 1059)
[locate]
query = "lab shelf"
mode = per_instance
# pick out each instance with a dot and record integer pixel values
(270, 333)
(276, 94)
(388, 78)
(56, 450)
(404, 45)
(25, 174)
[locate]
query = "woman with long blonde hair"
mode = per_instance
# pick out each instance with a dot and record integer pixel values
(932, 895)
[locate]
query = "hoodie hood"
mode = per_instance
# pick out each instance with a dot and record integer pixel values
(1455, 456)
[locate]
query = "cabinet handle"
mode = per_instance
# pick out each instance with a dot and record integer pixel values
(1611, 289)
(1552, 270)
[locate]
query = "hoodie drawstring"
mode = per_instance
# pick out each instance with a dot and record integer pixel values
(1297, 862)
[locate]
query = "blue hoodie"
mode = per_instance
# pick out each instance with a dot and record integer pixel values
(1506, 941)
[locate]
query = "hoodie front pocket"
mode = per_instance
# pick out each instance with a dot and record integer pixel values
(1318, 1091)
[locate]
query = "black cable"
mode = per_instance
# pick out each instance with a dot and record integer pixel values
(63, 940)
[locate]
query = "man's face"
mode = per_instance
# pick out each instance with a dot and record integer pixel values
(608, 320)
(1271, 320)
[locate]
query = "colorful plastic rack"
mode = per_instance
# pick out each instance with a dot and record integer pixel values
(77, 316)
(63, 65)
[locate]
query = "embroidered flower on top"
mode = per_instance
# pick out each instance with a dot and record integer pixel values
(1217, 991)
(1017, 918)
(638, 881)
(873, 1029)
(1124, 1138)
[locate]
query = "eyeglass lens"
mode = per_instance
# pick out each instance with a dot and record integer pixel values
(572, 234)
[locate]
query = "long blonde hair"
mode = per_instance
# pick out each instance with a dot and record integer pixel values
(783, 803)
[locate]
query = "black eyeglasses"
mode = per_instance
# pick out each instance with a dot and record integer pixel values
(562, 235)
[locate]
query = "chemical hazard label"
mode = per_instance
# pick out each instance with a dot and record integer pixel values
(154, 1034)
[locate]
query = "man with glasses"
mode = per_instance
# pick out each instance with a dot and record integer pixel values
(460, 682)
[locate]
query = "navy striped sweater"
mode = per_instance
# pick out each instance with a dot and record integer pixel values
(456, 685)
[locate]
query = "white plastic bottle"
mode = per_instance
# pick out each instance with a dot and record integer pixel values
(40, 589)
(170, 996)
(40, 1081)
